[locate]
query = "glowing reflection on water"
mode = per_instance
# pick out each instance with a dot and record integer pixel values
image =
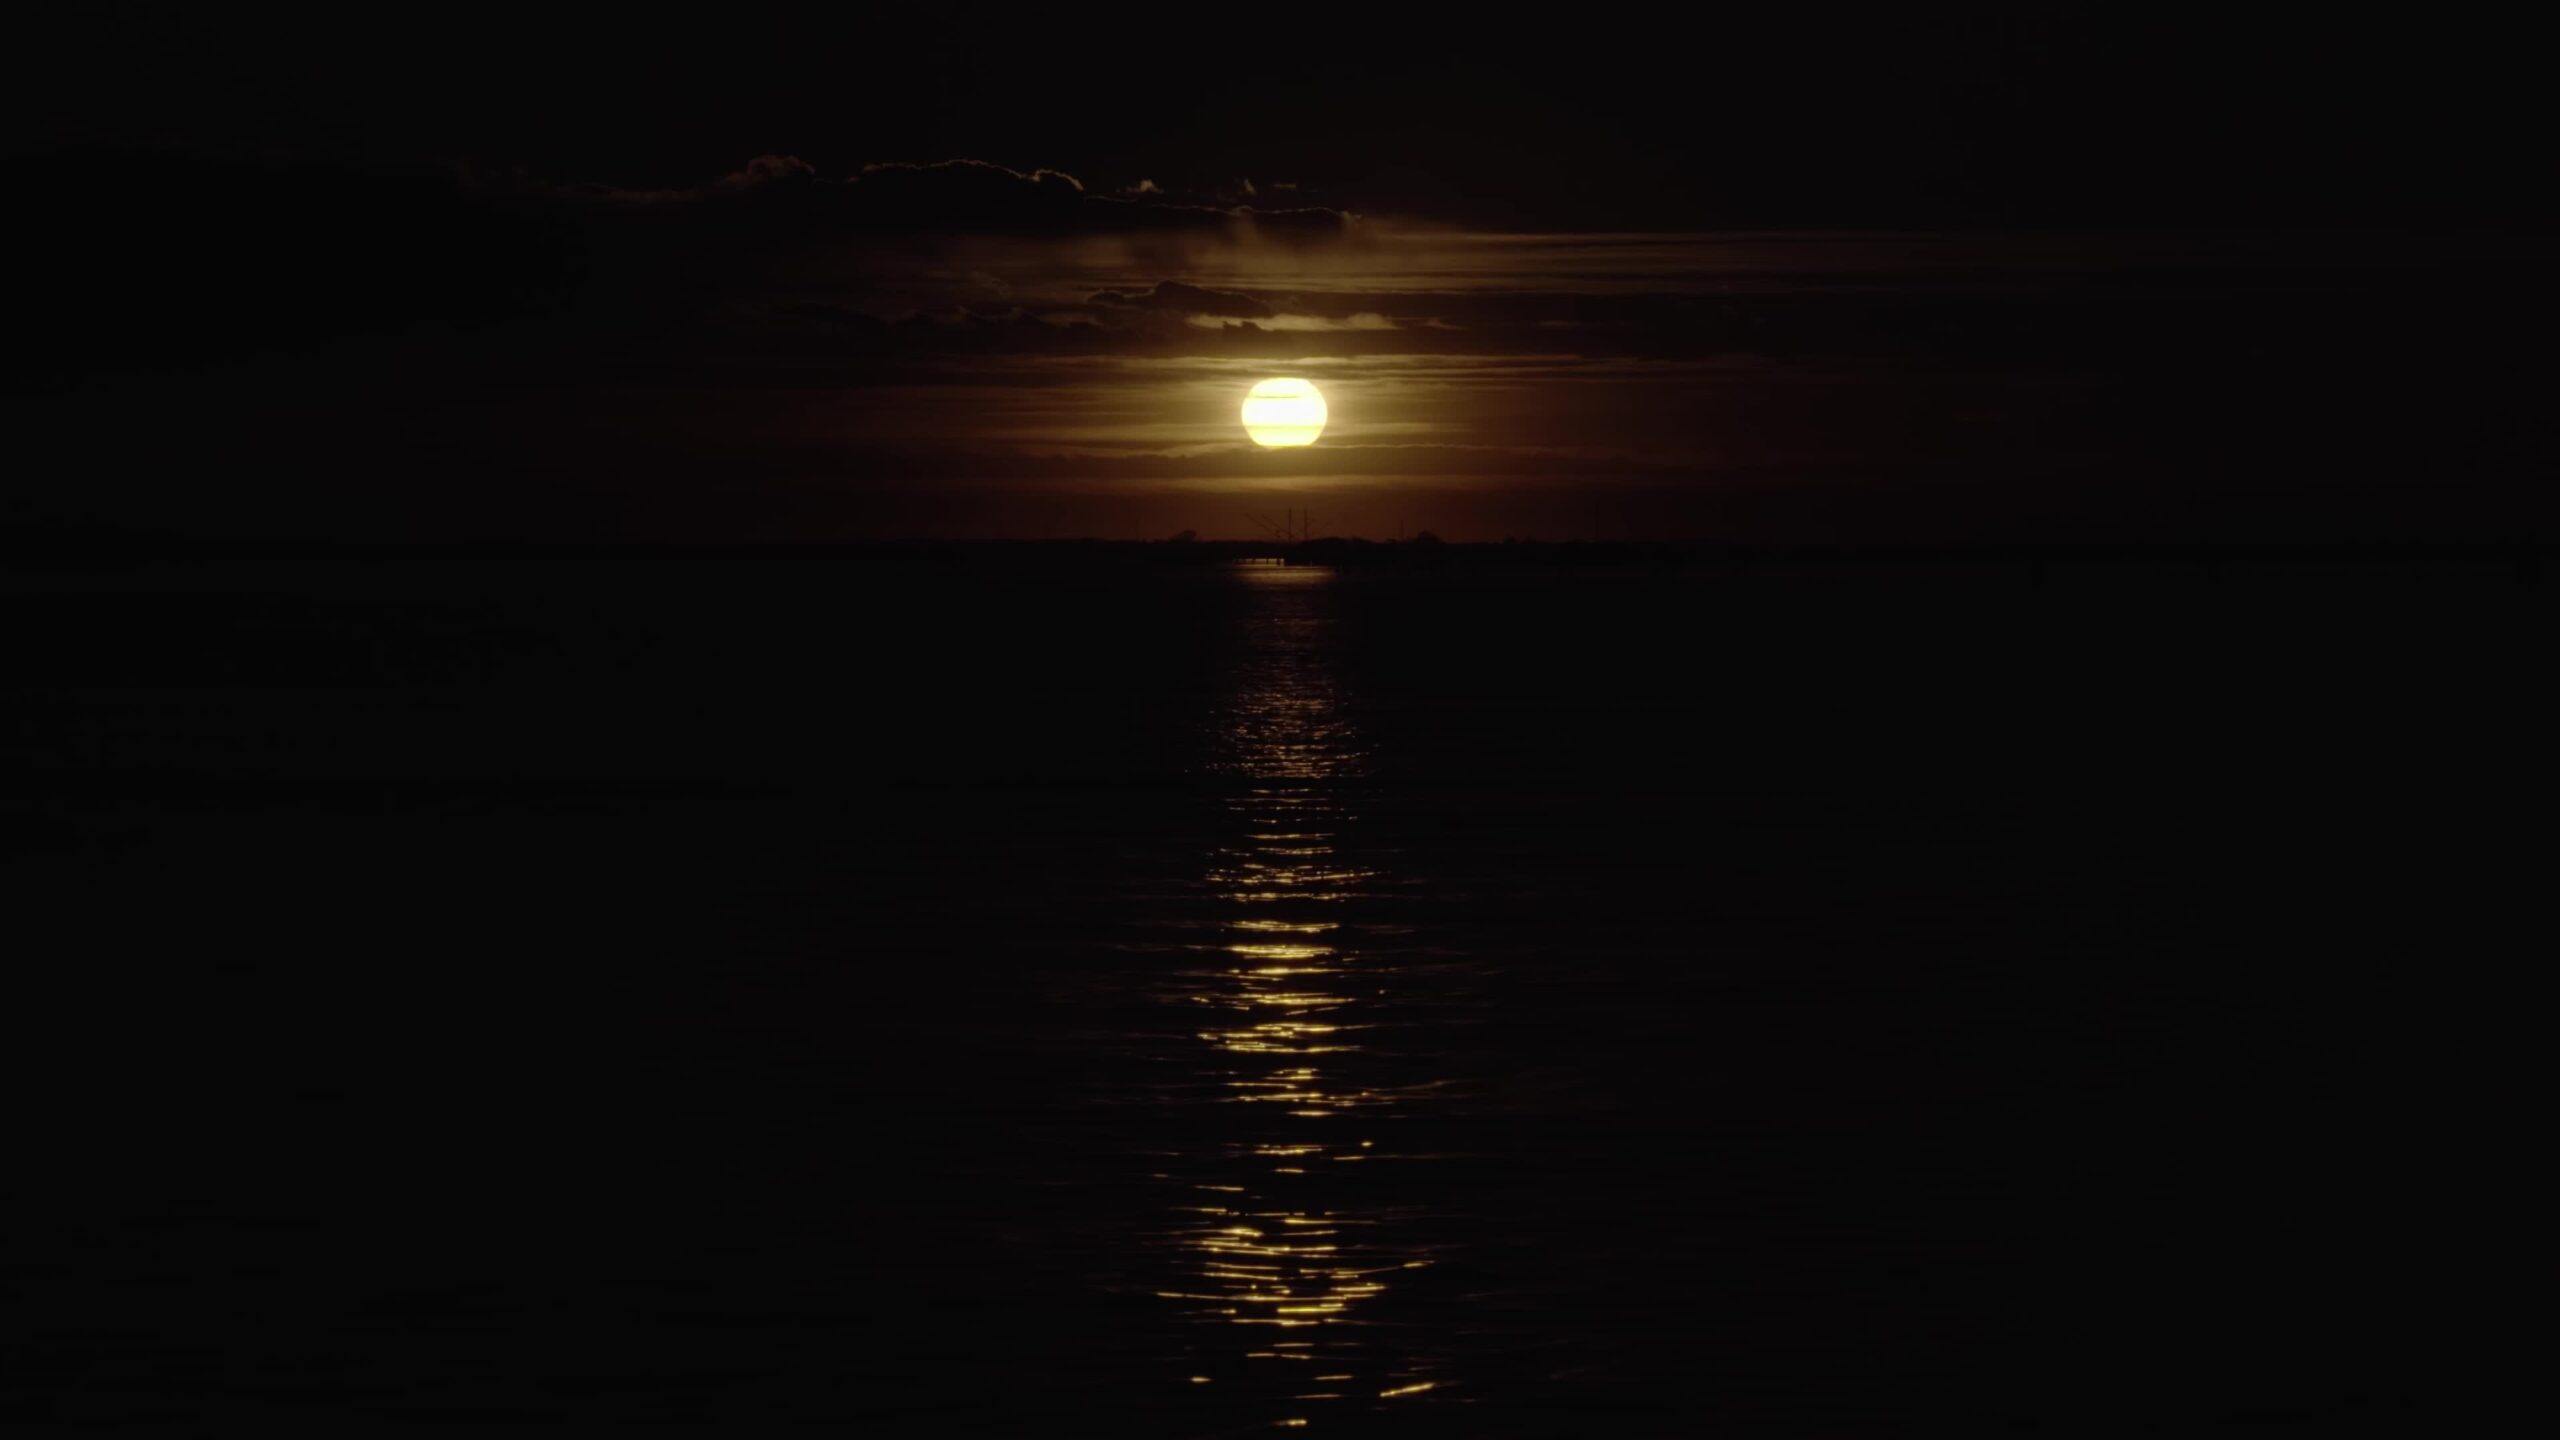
(1284, 1256)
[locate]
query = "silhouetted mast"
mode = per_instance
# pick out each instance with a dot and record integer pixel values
(1293, 525)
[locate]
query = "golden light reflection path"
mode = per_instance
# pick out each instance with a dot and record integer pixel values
(1287, 1242)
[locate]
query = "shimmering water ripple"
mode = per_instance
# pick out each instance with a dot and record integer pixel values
(1299, 1225)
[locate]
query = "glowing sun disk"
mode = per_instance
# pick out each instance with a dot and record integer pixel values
(1284, 411)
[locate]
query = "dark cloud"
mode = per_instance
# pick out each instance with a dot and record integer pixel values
(452, 268)
(950, 197)
(1241, 461)
(1184, 299)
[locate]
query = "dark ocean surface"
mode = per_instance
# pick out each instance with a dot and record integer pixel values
(1043, 990)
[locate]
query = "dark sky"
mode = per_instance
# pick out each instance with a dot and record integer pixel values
(1969, 274)
(1785, 115)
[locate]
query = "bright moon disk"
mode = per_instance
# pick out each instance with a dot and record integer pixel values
(1284, 412)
